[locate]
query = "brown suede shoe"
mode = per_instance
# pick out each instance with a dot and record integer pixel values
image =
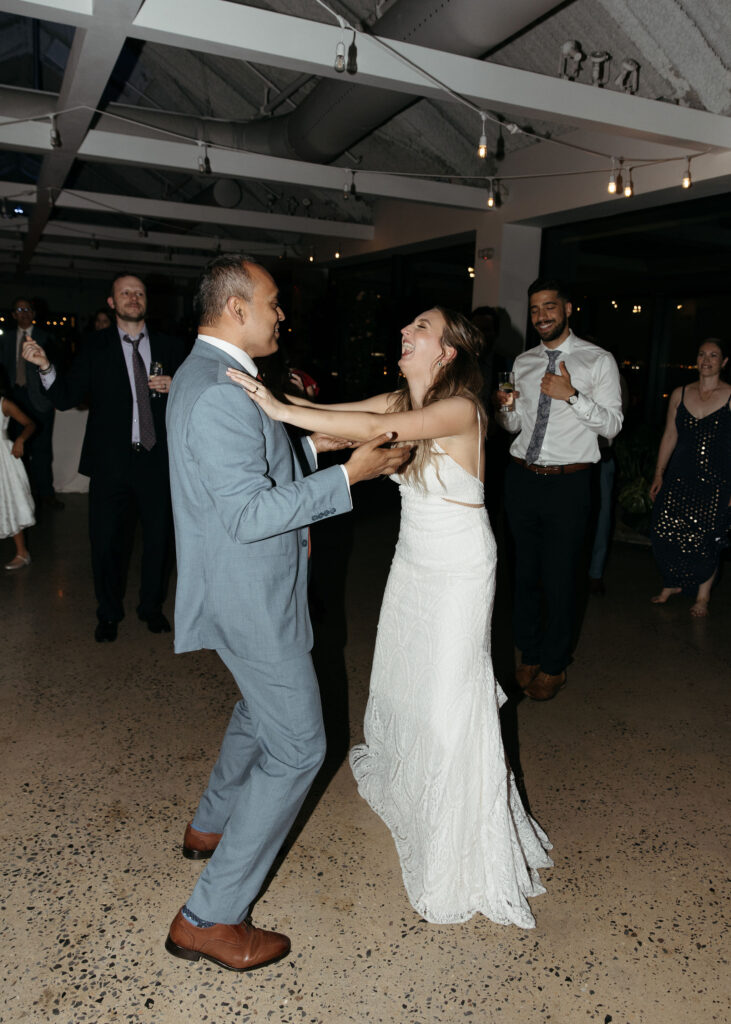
(545, 686)
(237, 947)
(525, 674)
(199, 845)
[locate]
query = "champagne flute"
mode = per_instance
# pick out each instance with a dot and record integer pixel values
(155, 371)
(506, 384)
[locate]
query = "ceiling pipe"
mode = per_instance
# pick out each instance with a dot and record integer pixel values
(335, 115)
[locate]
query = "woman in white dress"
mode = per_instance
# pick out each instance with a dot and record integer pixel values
(16, 503)
(433, 765)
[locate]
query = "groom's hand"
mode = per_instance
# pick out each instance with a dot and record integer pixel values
(326, 443)
(371, 460)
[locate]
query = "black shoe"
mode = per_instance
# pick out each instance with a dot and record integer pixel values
(105, 631)
(156, 622)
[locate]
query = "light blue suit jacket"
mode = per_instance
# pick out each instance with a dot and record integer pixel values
(242, 508)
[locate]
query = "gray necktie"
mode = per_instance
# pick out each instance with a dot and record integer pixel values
(142, 390)
(544, 408)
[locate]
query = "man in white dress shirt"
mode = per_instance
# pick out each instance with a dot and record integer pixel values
(567, 395)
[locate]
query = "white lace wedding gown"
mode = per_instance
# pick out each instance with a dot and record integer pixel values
(16, 503)
(433, 765)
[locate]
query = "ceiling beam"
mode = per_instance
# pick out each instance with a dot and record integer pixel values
(266, 37)
(146, 150)
(92, 57)
(156, 210)
(76, 230)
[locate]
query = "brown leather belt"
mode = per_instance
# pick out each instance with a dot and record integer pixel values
(571, 467)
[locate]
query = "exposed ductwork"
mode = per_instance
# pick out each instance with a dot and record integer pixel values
(335, 115)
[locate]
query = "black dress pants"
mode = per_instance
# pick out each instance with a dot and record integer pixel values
(133, 485)
(547, 516)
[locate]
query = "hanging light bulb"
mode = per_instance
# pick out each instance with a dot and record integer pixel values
(352, 64)
(629, 188)
(204, 164)
(491, 195)
(687, 180)
(340, 57)
(337, 254)
(352, 184)
(612, 184)
(482, 145)
(142, 230)
(346, 186)
(55, 135)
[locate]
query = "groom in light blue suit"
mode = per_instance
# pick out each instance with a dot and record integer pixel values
(242, 509)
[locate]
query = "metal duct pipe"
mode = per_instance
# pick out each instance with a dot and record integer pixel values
(335, 115)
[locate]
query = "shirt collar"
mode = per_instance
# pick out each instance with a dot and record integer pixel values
(564, 348)
(126, 334)
(241, 357)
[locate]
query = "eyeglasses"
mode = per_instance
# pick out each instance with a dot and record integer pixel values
(23, 309)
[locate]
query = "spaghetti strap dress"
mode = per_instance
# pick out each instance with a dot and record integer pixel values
(691, 515)
(432, 765)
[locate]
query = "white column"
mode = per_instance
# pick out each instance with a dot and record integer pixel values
(519, 258)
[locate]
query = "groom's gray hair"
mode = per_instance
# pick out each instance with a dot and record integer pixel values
(222, 277)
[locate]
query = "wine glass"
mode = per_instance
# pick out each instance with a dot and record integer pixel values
(155, 371)
(506, 383)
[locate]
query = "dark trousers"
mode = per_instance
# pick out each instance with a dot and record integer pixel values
(547, 516)
(136, 485)
(39, 446)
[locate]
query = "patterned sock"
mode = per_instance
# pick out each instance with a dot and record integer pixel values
(194, 919)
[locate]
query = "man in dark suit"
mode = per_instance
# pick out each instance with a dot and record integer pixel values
(125, 448)
(28, 394)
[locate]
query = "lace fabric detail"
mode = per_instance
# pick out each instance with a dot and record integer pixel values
(433, 765)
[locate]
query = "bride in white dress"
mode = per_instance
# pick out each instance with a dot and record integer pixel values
(433, 765)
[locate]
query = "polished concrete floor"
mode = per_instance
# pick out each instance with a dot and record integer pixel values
(106, 749)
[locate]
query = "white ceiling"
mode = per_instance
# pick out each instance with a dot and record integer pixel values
(215, 69)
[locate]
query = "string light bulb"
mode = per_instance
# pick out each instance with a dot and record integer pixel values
(55, 135)
(629, 188)
(352, 63)
(687, 180)
(491, 195)
(142, 230)
(612, 184)
(482, 145)
(340, 57)
(204, 164)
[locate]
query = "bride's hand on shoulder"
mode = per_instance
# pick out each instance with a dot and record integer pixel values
(258, 392)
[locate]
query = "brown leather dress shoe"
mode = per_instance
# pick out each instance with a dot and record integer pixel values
(199, 845)
(237, 947)
(545, 686)
(525, 674)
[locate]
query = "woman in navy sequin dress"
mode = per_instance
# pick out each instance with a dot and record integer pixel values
(692, 484)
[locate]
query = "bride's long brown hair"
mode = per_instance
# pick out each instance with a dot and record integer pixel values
(460, 376)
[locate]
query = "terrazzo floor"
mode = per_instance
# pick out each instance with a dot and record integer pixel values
(106, 749)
